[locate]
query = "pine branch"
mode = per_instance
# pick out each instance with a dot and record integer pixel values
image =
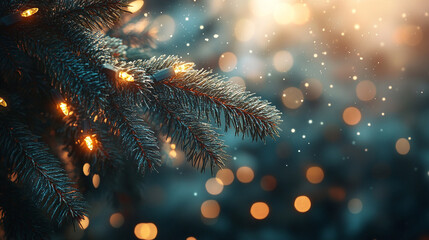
(40, 172)
(69, 74)
(136, 137)
(199, 141)
(92, 14)
(21, 219)
(209, 95)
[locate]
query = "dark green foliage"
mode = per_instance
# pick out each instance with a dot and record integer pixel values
(55, 56)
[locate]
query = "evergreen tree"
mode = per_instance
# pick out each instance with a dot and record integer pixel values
(66, 85)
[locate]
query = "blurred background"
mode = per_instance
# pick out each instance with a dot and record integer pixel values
(352, 162)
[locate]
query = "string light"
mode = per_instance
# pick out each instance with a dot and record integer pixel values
(29, 12)
(3, 103)
(171, 71)
(89, 141)
(181, 68)
(126, 76)
(64, 108)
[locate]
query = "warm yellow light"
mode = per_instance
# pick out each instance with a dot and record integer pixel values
(302, 204)
(116, 220)
(65, 108)
(147, 231)
(86, 169)
(135, 6)
(126, 76)
(259, 210)
(89, 142)
(3, 103)
(96, 180)
(84, 223)
(29, 12)
(181, 68)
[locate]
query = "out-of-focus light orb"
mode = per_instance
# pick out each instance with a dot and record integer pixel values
(315, 175)
(116, 220)
(283, 61)
(292, 98)
(244, 30)
(245, 174)
(96, 180)
(355, 205)
(191, 238)
(259, 210)
(226, 176)
(227, 61)
(301, 13)
(283, 14)
(410, 35)
(402, 146)
(352, 116)
(214, 186)
(337, 193)
(210, 209)
(366, 90)
(86, 169)
(84, 223)
(312, 89)
(302, 204)
(238, 80)
(262, 8)
(135, 6)
(268, 183)
(166, 26)
(146, 231)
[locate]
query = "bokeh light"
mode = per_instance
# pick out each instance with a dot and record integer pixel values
(86, 169)
(245, 174)
(283, 61)
(210, 209)
(135, 6)
(227, 61)
(214, 186)
(302, 204)
(116, 220)
(146, 231)
(84, 223)
(292, 98)
(96, 180)
(226, 176)
(312, 89)
(355, 205)
(315, 175)
(366, 90)
(352, 116)
(268, 183)
(259, 210)
(402, 146)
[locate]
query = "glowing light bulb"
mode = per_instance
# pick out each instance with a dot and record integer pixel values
(135, 6)
(126, 76)
(89, 142)
(3, 103)
(181, 68)
(29, 12)
(65, 108)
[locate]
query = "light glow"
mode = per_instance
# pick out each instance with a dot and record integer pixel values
(181, 68)
(64, 108)
(89, 142)
(126, 76)
(3, 103)
(29, 12)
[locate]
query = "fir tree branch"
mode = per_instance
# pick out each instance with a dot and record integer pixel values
(20, 218)
(40, 172)
(138, 140)
(71, 76)
(92, 14)
(199, 141)
(209, 95)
